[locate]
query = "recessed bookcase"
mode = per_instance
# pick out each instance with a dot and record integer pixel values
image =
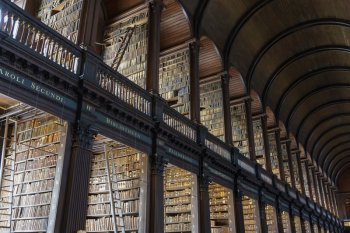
(274, 154)
(32, 160)
(250, 214)
(315, 228)
(286, 222)
(62, 16)
(285, 160)
(271, 219)
(129, 32)
(297, 224)
(221, 209)
(307, 226)
(174, 79)
(117, 188)
(180, 200)
(306, 183)
(239, 128)
(312, 184)
(259, 142)
(212, 115)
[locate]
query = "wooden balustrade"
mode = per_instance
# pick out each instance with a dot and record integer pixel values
(218, 146)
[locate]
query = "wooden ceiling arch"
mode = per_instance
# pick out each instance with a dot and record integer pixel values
(271, 120)
(256, 104)
(237, 86)
(210, 61)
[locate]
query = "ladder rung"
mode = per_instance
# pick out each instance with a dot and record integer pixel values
(5, 190)
(9, 159)
(6, 179)
(6, 202)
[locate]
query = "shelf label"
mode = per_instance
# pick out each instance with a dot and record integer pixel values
(35, 87)
(123, 128)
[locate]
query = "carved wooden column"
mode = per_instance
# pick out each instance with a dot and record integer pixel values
(156, 194)
(262, 213)
(238, 210)
(315, 184)
(152, 70)
(250, 131)
(302, 223)
(279, 216)
(301, 175)
(194, 82)
(225, 82)
(308, 178)
(266, 143)
(77, 189)
(204, 210)
(279, 151)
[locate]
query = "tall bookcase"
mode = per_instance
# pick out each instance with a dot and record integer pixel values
(315, 228)
(296, 171)
(180, 201)
(250, 215)
(62, 16)
(285, 160)
(221, 209)
(239, 128)
(259, 142)
(312, 184)
(274, 154)
(117, 189)
(174, 79)
(129, 32)
(297, 224)
(31, 172)
(307, 226)
(212, 115)
(286, 222)
(271, 219)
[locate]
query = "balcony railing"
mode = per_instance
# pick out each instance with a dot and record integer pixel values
(181, 124)
(35, 36)
(218, 146)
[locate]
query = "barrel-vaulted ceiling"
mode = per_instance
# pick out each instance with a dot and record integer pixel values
(296, 55)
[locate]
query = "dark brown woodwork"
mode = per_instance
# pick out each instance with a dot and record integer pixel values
(266, 143)
(204, 211)
(301, 175)
(279, 151)
(291, 168)
(262, 214)
(225, 80)
(238, 195)
(194, 81)
(308, 178)
(152, 72)
(313, 176)
(250, 130)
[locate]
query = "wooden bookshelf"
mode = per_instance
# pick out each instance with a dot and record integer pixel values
(117, 190)
(221, 209)
(286, 222)
(271, 219)
(296, 171)
(62, 16)
(274, 154)
(259, 142)
(211, 114)
(180, 201)
(312, 184)
(239, 128)
(285, 161)
(315, 228)
(32, 172)
(134, 60)
(307, 226)
(297, 224)
(174, 80)
(250, 215)
(306, 183)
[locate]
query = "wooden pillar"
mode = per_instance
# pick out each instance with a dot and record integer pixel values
(156, 194)
(239, 210)
(279, 217)
(153, 50)
(292, 223)
(266, 143)
(89, 24)
(77, 190)
(301, 175)
(290, 164)
(194, 82)
(225, 82)
(279, 151)
(250, 131)
(302, 223)
(204, 210)
(315, 184)
(308, 178)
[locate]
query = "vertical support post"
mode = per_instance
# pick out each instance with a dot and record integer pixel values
(302, 223)
(77, 190)
(279, 151)
(262, 213)
(204, 211)
(225, 82)
(309, 179)
(153, 50)
(250, 131)
(239, 210)
(266, 143)
(279, 216)
(194, 82)
(315, 184)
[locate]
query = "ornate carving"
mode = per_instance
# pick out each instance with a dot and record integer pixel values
(84, 135)
(158, 162)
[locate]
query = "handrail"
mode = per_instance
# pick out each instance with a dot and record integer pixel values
(180, 123)
(38, 38)
(122, 88)
(218, 146)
